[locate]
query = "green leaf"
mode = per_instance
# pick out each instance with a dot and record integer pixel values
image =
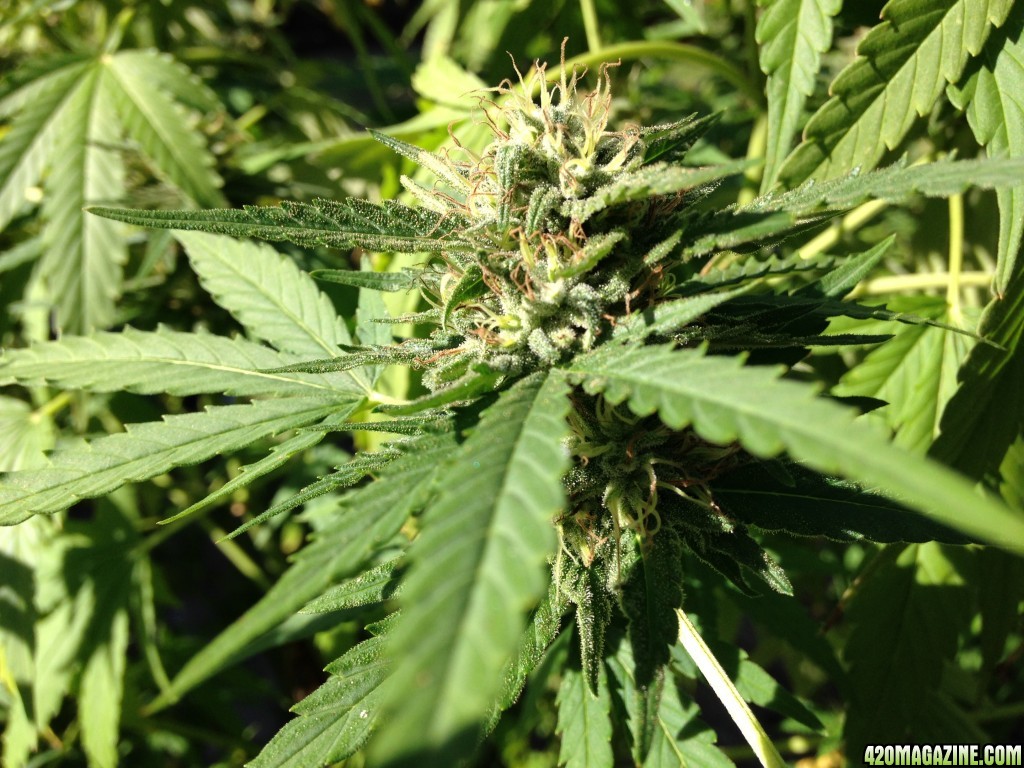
(43, 114)
(169, 75)
(336, 719)
(842, 279)
(649, 598)
(649, 181)
(991, 93)
(894, 182)
(371, 586)
(372, 515)
(440, 167)
(681, 739)
(278, 456)
(345, 476)
(146, 450)
(792, 35)
(267, 293)
(476, 569)
(85, 586)
(166, 361)
(916, 373)
(151, 119)
(584, 722)
(638, 704)
(82, 263)
(724, 401)
(389, 282)
(671, 316)
(100, 692)
(25, 436)
(350, 223)
(906, 619)
(468, 387)
(541, 632)
(902, 67)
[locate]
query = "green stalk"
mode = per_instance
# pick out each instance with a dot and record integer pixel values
(723, 687)
(590, 25)
(236, 555)
(665, 49)
(922, 282)
(851, 221)
(755, 151)
(956, 257)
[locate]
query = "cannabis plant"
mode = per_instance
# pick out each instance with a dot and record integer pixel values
(610, 364)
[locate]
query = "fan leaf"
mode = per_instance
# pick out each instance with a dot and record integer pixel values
(171, 362)
(151, 119)
(725, 401)
(390, 226)
(372, 515)
(792, 35)
(584, 722)
(146, 450)
(476, 570)
(902, 67)
(992, 94)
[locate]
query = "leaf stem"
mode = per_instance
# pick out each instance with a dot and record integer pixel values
(723, 687)
(236, 555)
(956, 257)
(666, 49)
(755, 151)
(851, 221)
(52, 406)
(591, 26)
(915, 282)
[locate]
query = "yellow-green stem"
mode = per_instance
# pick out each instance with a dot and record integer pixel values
(52, 406)
(755, 151)
(956, 257)
(236, 555)
(922, 282)
(665, 49)
(590, 25)
(855, 218)
(723, 687)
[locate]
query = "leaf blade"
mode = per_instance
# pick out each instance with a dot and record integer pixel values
(713, 395)
(476, 569)
(903, 66)
(146, 450)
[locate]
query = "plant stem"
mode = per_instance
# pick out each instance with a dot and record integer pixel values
(52, 406)
(956, 257)
(855, 218)
(590, 25)
(236, 555)
(913, 282)
(665, 49)
(755, 151)
(723, 687)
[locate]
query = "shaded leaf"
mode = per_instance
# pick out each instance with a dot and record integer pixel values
(336, 719)
(371, 516)
(584, 722)
(992, 94)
